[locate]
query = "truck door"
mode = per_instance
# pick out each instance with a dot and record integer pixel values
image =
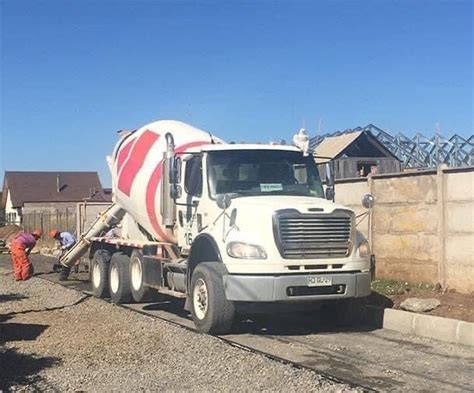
(189, 218)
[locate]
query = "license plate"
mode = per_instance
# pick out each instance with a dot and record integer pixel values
(319, 281)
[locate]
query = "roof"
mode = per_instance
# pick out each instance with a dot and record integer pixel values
(352, 144)
(332, 146)
(43, 187)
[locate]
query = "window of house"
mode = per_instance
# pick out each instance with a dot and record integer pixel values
(365, 168)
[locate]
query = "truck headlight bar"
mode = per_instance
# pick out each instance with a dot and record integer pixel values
(245, 251)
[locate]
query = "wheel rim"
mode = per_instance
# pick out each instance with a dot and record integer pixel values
(137, 274)
(96, 278)
(114, 278)
(200, 299)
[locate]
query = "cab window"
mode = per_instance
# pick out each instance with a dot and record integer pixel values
(193, 176)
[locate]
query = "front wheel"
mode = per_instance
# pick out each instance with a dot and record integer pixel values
(212, 312)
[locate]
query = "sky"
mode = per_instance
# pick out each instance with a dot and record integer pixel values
(75, 72)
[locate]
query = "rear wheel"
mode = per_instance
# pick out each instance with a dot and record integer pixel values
(140, 292)
(99, 273)
(212, 312)
(119, 278)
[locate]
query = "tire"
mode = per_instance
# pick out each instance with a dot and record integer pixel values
(349, 312)
(99, 273)
(119, 278)
(140, 293)
(212, 313)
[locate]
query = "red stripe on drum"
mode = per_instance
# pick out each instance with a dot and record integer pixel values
(123, 155)
(135, 160)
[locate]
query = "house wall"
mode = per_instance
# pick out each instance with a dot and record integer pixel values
(12, 214)
(347, 167)
(422, 225)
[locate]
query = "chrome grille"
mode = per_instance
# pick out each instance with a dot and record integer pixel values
(314, 236)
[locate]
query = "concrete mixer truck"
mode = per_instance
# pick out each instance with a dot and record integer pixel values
(222, 226)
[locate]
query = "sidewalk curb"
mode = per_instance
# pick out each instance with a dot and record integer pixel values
(438, 328)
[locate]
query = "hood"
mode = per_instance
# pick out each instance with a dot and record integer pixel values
(305, 205)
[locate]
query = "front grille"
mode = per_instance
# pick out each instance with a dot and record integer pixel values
(314, 236)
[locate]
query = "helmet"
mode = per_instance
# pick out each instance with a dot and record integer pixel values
(53, 233)
(37, 233)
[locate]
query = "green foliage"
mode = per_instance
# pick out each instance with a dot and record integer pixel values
(393, 287)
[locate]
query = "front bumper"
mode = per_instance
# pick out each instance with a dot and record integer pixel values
(294, 288)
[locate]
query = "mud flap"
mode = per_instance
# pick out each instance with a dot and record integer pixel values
(187, 304)
(372, 267)
(152, 273)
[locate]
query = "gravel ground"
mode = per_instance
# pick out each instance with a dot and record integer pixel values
(54, 338)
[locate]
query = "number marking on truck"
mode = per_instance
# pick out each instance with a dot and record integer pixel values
(188, 237)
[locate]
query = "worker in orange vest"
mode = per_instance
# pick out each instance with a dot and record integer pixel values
(20, 248)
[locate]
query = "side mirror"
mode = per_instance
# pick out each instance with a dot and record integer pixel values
(330, 193)
(223, 201)
(368, 201)
(175, 170)
(329, 167)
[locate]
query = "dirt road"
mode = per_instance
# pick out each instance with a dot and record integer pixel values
(87, 344)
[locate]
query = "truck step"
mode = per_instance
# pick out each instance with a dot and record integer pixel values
(170, 292)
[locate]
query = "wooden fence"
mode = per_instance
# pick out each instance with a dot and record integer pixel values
(62, 220)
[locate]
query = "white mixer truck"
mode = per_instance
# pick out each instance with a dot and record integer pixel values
(222, 226)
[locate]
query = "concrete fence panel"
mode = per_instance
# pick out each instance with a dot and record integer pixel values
(458, 233)
(422, 225)
(350, 194)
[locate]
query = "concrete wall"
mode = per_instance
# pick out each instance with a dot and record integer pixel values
(405, 227)
(458, 231)
(422, 226)
(349, 193)
(86, 214)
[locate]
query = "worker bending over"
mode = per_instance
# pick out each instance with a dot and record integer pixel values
(20, 248)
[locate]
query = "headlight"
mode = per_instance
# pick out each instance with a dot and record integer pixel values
(364, 249)
(245, 251)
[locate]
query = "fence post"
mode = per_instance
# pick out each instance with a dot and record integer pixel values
(440, 183)
(370, 220)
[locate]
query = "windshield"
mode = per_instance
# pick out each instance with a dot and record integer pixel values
(263, 172)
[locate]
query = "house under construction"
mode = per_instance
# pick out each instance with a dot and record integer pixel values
(363, 150)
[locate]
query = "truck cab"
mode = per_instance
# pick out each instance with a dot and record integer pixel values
(260, 214)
